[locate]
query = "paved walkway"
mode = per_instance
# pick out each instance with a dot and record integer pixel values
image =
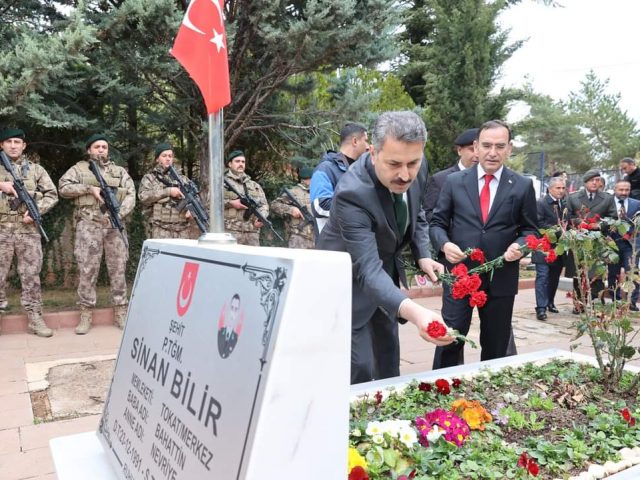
(24, 446)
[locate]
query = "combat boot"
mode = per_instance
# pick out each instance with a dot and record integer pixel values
(85, 321)
(36, 325)
(120, 315)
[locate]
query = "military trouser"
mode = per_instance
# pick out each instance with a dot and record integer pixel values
(28, 250)
(299, 241)
(91, 240)
(173, 231)
(247, 238)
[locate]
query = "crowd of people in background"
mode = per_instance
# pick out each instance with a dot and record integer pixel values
(371, 198)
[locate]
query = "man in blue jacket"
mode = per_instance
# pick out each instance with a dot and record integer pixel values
(353, 143)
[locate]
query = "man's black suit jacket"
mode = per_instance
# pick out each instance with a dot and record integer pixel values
(434, 185)
(362, 223)
(457, 218)
(550, 215)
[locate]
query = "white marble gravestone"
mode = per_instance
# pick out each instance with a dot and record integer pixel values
(234, 364)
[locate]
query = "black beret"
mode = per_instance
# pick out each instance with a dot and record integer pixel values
(305, 172)
(161, 147)
(234, 154)
(11, 133)
(590, 174)
(467, 137)
(94, 138)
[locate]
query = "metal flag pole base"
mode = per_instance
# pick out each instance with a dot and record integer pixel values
(217, 238)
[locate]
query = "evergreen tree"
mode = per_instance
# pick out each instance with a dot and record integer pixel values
(551, 128)
(454, 52)
(610, 131)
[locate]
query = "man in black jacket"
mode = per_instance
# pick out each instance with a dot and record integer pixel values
(632, 174)
(466, 159)
(551, 212)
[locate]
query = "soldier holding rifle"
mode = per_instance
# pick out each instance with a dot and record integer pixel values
(239, 219)
(98, 226)
(26, 192)
(168, 214)
(294, 205)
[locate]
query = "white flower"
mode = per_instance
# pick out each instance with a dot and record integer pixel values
(374, 428)
(377, 439)
(408, 437)
(356, 432)
(435, 433)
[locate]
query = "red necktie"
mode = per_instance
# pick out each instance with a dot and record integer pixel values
(485, 198)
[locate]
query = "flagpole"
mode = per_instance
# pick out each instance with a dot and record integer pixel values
(216, 232)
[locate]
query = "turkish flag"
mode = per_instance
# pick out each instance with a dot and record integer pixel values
(201, 48)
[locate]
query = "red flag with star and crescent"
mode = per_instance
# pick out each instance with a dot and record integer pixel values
(201, 48)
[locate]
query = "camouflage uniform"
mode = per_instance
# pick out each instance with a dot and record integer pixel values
(21, 238)
(300, 232)
(94, 232)
(244, 230)
(164, 220)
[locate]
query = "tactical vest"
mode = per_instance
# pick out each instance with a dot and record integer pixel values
(27, 172)
(112, 177)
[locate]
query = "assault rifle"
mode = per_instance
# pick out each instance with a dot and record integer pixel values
(23, 196)
(191, 200)
(252, 208)
(111, 204)
(308, 218)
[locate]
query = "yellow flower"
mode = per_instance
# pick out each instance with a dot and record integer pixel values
(355, 460)
(472, 412)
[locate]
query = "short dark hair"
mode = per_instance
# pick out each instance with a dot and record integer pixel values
(558, 173)
(620, 180)
(628, 160)
(351, 129)
(495, 124)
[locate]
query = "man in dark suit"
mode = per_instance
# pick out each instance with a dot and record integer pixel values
(375, 213)
(627, 209)
(466, 159)
(492, 208)
(583, 205)
(551, 212)
(229, 328)
(632, 174)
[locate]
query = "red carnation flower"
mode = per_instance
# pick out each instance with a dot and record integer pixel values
(584, 226)
(424, 387)
(443, 387)
(477, 255)
(459, 288)
(594, 219)
(473, 282)
(532, 242)
(378, 397)
(460, 270)
(436, 329)
(478, 299)
(456, 382)
(358, 473)
(523, 460)
(626, 236)
(544, 244)
(551, 256)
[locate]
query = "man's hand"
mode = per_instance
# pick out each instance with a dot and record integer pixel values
(421, 317)
(26, 218)
(257, 223)
(296, 213)
(237, 204)
(430, 267)
(7, 187)
(95, 191)
(513, 253)
(174, 192)
(452, 252)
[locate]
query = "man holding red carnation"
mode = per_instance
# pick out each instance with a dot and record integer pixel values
(492, 208)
